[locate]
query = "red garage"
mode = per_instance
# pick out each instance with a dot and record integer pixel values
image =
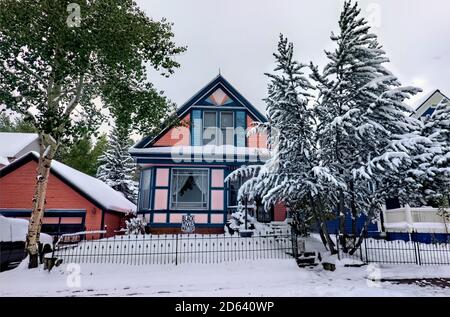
(75, 201)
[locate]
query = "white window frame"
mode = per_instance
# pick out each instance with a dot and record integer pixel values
(174, 204)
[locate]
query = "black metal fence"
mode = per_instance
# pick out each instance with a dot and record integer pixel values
(400, 252)
(175, 249)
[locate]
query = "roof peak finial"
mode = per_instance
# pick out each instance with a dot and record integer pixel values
(219, 71)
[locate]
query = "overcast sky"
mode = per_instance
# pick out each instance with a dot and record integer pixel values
(239, 37)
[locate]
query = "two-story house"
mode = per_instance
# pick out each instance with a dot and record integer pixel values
(183, 168)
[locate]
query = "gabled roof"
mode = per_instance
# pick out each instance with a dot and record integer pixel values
(424, 105)
(201, 98)
(11, 143)
(89, 187)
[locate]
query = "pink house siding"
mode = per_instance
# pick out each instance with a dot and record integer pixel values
(159, 218)
(176, 218)
(216, 178)
(162, 177)
(217, 200)
(161, 196)
(200, 218)
(255, 140)
(217, 218)
(176, 136)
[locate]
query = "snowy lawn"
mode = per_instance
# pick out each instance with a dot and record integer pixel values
(246, 278)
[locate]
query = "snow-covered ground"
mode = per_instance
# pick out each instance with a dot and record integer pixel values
(255, 278)
(270, 277)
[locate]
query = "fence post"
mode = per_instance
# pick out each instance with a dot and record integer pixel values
(365, 247)
(294, 240)
(337, 247)
(417, 251)
(176, 249)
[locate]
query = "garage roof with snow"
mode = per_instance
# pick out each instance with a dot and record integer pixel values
(90, 187)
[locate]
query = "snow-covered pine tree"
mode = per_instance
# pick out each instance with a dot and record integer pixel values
(117, 166)
(292, 174)
(135, 226)
(359, 109)
(437, 129)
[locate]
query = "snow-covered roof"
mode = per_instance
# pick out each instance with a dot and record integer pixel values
(91, 187)
(13, 143)
(3, 160)
(205, 151)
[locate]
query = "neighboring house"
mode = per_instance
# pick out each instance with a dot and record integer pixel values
(183, 168)
(399, 221)
(427, 105)
(74, 201)
(14, 145)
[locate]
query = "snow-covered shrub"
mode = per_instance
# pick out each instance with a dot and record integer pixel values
(135, 226)
(237, 221)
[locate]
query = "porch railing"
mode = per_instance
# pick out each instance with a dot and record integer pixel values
(419, 219)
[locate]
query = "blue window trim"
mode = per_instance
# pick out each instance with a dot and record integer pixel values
(148, 208)
(218, 122)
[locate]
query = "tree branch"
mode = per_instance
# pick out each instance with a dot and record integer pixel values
(25, 68)
(74, 102)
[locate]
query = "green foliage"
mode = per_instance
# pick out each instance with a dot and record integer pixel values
(58, 70)
(83, 155)
(18, 124)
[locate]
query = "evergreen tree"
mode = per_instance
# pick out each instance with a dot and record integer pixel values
(117, 167)
(292, 174)
(83, 155)
(360, 111)
(437, 171)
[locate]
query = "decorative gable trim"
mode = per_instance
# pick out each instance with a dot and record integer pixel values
(218, 93)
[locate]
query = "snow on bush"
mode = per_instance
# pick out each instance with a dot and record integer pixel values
(237, 222)
(135, 226)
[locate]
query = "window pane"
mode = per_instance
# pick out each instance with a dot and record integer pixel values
(197, 127)
(189, 189)
(209, 119)
(210, 136)
(210, 128)
(144, 195)
(226, 120)
(240, 128)
(228, 136)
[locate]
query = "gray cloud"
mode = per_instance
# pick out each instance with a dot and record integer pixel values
(239, 37)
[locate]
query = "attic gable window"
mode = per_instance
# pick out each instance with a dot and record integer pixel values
(218, 132)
